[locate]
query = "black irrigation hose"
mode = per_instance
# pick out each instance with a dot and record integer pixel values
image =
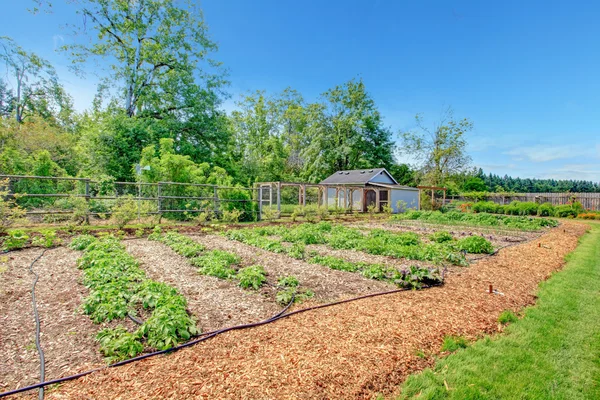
(37, 326)
(135, 320)
(207, 336)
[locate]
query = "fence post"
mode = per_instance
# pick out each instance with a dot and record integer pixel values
(278, 199)
(260, 192)
(158, 203)
(87, 200)
(216, 200)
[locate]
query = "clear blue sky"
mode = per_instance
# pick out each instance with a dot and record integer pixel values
(527, 73)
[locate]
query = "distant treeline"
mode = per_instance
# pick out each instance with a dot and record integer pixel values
(496, 183)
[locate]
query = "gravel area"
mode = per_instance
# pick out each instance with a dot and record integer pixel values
(328, 284)
(355, 350)
(215, 303)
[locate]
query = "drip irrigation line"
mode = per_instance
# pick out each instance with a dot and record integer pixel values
(135, 320)
(37, 325)
(208, 335)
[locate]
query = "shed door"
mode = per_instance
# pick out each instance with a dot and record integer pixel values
(370, 198)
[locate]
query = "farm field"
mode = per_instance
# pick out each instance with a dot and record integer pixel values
(235, 277)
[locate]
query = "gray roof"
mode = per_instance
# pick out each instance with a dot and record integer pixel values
(354, 177)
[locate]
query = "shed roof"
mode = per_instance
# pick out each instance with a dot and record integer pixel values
(397, 187)
(355, 177)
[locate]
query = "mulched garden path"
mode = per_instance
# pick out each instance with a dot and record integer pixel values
(216, 303)
(355, 350)
(67, 336)
(328, 284)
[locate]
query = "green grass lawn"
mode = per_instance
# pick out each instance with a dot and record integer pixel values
(553, 352)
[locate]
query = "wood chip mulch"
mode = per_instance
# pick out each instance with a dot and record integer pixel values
(67, 336)
(216, 303)
(328, 284)
(355, 350)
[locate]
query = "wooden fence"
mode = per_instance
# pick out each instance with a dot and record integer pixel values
(590, 201)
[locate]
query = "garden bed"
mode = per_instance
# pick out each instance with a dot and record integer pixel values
(215, 303)
(355, 350)
(328, 284)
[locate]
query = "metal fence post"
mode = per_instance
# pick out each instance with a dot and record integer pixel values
(87, 200)
(216, 201)
(260, 191)
(278, 199)
(158, 203)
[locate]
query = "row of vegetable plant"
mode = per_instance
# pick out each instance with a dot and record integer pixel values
(479, 219)
(377, 241)
(118, 287)
(225, 265)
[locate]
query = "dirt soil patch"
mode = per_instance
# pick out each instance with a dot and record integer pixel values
(355, 350)
(216, 303)
(67, 336)
(328, 284)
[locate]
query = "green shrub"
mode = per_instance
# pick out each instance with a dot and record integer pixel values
(546, 210)
(10, 212)
(16, 239)
(565, 211)
(453, 343)
(507, 317)
(441, 237)
(485, 206)
(475, 245)
(252, 277)
(169, 324)
(124, 211)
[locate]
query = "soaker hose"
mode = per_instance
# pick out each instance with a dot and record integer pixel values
(280, 315)
(37, 326)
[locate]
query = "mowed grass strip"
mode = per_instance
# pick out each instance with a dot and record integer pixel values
(553, 352)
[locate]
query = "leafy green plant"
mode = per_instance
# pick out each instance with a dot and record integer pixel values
(10, 212)
(285, 296)
(441, 237)
(288, 281)
(117, 287)
(118, 344)
(481, 219)
(297, 251)
(216, 263)
(335, 263)
(475, 245)
(48, 239)
(81, 242)
(252, 277)
(453, 343)
(507, 317)
(124, 211)
(16, 239)
(546, 210)
(231, 216)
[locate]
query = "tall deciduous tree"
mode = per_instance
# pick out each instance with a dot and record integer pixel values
(36, 87)
(441, 150)
(346, 131)
(156, 50)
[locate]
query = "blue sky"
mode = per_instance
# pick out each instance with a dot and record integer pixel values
(527, 73)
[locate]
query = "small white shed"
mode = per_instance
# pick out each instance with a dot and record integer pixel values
(360, 188)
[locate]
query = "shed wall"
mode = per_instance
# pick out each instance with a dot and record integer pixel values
(410, 197)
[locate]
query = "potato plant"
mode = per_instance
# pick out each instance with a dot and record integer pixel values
(118, 286)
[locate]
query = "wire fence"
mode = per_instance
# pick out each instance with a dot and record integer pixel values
(55, 199)
(589, 201)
